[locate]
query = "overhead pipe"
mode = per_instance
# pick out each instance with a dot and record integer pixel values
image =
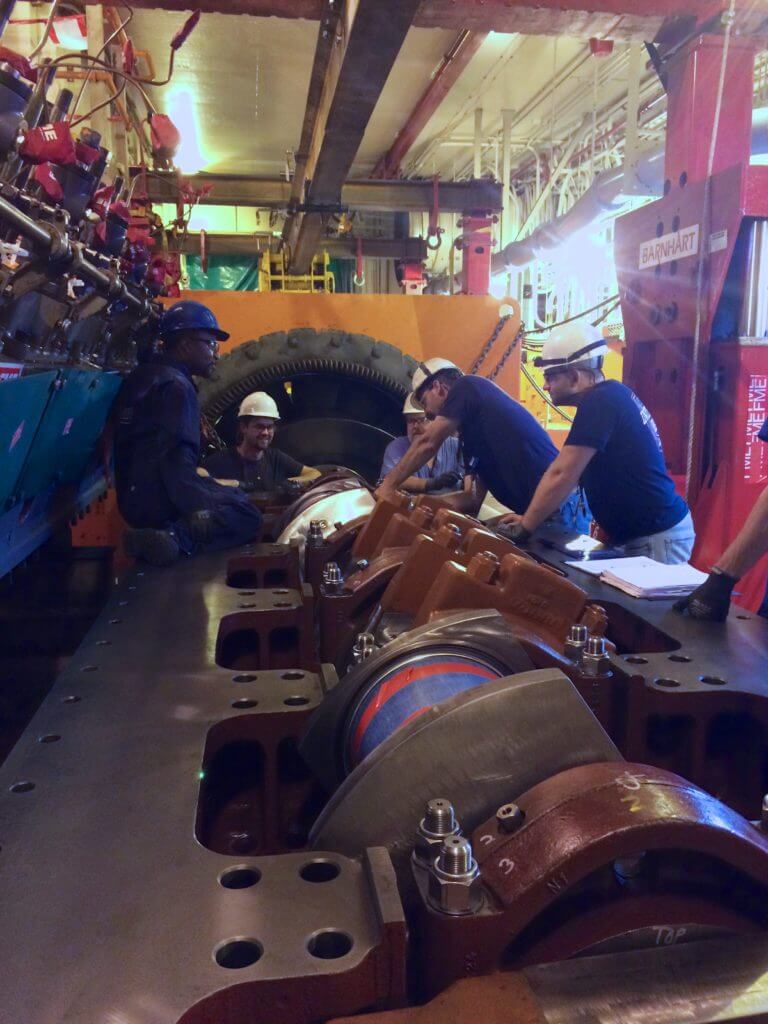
(463, 49)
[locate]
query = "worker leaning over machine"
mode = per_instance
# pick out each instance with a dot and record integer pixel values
(505, 449)
(614, 449)
(445, 472)
(252, 461)
(171, 508)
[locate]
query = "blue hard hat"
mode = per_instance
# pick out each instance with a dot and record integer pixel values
(189, 316)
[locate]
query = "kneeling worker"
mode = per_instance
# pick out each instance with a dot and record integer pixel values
(614, 449)
(506, 450)
(171, 508)
(442, 473)
(252, 462)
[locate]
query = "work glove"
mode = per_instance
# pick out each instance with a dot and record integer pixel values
(711, 600)
(443, 482)
(248, 487)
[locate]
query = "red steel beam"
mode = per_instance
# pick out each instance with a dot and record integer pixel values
(464, 47)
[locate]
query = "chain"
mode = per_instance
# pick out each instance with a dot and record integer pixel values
(489, 344)
(210, 434)
(508, 352)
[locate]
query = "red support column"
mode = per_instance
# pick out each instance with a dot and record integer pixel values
(476, 245)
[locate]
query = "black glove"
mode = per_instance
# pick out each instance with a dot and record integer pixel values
(711, 600)
(249, 488)
(443, 482)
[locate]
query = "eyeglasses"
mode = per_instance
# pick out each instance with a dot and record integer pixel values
(262, 428)
(549, 375)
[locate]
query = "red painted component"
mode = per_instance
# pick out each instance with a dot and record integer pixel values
(464, 47)
(692, 88)
(476, 244)
(600, 47)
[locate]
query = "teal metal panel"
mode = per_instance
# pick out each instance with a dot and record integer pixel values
(63, 448)
(22, 404)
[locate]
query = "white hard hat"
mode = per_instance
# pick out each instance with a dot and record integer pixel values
(426, 371)
(259, 403)
(410, 408)
(571, 344)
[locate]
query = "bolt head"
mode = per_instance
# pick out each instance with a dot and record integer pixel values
(455, 894)
(509, 817)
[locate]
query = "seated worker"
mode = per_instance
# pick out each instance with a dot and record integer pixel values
(613, 449)
(251, 461)
(170, 508)
(506, 450)
(442, 473)
(712, 599)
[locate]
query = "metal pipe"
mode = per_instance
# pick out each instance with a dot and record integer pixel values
(506, 172)
(478, 144)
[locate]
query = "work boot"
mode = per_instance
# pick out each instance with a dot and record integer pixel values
(158, 547)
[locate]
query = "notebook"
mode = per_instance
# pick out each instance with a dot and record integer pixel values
(643, 577)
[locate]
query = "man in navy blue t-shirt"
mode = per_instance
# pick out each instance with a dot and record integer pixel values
(505, 449)
(614, 449)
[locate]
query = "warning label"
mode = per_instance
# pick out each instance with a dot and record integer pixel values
(755, 450)
(676, 246)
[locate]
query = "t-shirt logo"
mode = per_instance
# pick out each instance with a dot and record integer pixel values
(648, 420)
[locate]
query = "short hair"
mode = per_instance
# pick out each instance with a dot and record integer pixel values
(448, 376)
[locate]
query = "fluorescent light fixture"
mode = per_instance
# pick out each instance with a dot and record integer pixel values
(180, 106)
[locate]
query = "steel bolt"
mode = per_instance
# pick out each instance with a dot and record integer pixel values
(438, 823)
(510, 817)
(455, 856)
(315, 537)
(364, 647)
(595, 660)
(576, 641)
(332, 578)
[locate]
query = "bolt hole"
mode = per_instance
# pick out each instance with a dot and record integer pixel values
(296, 702)
(247, 604)
(245, 677)
(746, 618)
(680, 658)
(712, 680)
(49, 737)
(282, 604)
(244, 703)
(683, 179)
(132, 587)
(22, 787)
(246, 593)
(122, 604)
(669, 683)
(72, 699)
(292, 675)
(103, 643)
(115, 622)
(635, 659)
(237, 953)
(89, 668)
(319, 871)
(240, 877)
(329, 944)
(281, 590)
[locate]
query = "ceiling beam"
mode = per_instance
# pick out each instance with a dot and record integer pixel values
(410, 249)
(463, 49)
(397, 196)
(372, 34)
(619, 19)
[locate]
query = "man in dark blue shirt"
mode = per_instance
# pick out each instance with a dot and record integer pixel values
(505, 449)
(170, 507)
(614, 449)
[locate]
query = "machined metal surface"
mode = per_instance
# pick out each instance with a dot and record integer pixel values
(112, 908)
(335, 508)
(479, 749)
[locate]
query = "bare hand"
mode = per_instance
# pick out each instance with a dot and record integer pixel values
(510, 519)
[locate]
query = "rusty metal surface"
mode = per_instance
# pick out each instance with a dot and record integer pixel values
(112, 909)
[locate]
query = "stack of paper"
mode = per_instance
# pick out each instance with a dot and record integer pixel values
(643, 577)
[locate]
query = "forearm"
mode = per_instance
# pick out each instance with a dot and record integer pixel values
(554, 487)
(750, 544)
(414, 484)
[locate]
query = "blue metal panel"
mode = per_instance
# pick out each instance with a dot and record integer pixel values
(22, 404)
(64, 447)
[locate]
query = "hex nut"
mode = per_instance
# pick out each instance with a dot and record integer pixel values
(455, 894)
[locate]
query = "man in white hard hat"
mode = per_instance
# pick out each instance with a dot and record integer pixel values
(505, 449)
(613, 449)
(442, 473)
(251, 461)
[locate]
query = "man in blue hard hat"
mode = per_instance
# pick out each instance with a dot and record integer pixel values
(170, 507)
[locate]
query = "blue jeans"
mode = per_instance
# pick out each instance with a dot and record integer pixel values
(573, 515)
(671, 546)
